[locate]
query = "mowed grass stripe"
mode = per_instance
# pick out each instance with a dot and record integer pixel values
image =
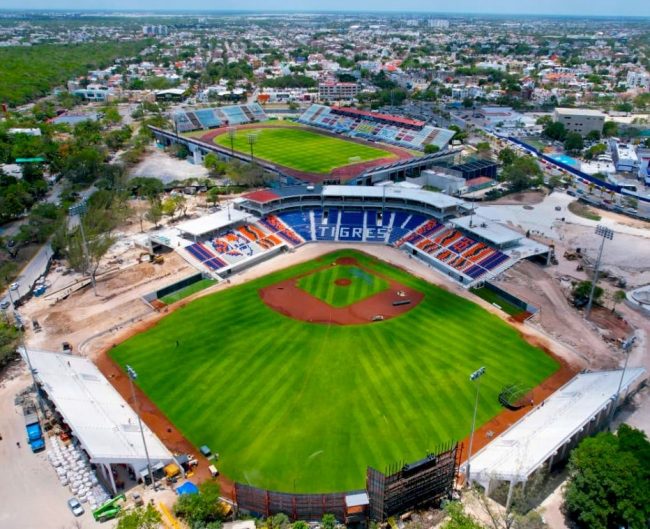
(284, 400)
(302, 149)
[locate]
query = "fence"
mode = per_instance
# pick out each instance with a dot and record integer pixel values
(261, 502)
(169, 289)
(511, 298)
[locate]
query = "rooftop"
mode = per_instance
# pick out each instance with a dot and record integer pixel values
(488, 229)
(431, 198)
(99, 417)
(213, 222)
(532, 440)
(578, 112)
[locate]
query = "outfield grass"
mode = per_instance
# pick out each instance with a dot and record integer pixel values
(301, 149)
(187, 291)
(292, 405)
(322, 285)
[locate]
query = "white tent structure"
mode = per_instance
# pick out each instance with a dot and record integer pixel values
(548, 433)
(103, 423)
(214, 222)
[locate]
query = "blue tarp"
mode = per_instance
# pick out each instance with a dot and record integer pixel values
(187, 488)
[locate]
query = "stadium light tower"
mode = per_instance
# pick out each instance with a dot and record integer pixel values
(232, 131)
(627, 345)
(252, 139)
(132, 376)
(605, 233)
(80, 210)
(475, 376)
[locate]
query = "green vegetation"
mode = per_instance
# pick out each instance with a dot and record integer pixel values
(523, 173)
(8, 341)
(187, 291)
(292, 405)
(31, 72)
(582, 210)
(290, 81)
(203, 510)
(301, 149)
(492, 297)
(139, 518)
(608, 486)
(323, 285)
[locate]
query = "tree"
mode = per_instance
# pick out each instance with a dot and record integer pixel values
(522, 174)
(544, 120)
(483, 146)
(200, 510)
(181, 204)
(608, 483)
(582, 290)
(617, 297)
(139, 518)
(555, 131)
(507, 156)
(431, 148)
(169, 207)
(144, 186)
(328, 521)
(8, 341)
(573, 142)
(155, 212)
(300, 525)
(593, 135)
(106, 211)
(458, 518)
(610, 128)
(212, 196)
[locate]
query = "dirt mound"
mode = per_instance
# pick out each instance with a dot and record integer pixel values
(343, 282)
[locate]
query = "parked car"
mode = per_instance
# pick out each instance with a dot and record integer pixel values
(75, 507)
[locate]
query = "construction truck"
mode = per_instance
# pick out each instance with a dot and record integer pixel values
(33, 428)
(110, 509)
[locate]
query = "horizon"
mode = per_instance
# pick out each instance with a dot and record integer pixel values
(555, 8)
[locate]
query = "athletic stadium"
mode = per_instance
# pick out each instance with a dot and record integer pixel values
(321, 351)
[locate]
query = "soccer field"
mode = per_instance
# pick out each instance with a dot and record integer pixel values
(301, 149)
(306, 407)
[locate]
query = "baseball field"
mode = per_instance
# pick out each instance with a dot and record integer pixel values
(293, 405)
(301, 149)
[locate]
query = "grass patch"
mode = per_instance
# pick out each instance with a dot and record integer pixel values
(302, 149)
(584, 211)
(323, 285)
(492, 297)
(187, 291)
(291, 405)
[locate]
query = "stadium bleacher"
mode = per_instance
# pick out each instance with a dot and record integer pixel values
(377, 127)
(209, 118)
(446, 245)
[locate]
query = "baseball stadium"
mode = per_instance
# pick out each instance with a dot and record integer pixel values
(326, 144)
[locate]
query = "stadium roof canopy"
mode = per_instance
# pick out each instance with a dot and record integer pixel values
(213, 222)
(541, 434)
(488, 230)
(437, 200)
(98, 416)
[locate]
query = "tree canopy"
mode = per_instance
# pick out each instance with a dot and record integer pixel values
(608, 484)
(522, 173)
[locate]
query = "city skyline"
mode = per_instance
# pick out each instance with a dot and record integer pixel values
(637, 8)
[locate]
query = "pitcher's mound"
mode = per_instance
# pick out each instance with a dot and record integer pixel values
(343, 282)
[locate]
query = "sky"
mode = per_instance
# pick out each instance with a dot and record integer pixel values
(546, 7)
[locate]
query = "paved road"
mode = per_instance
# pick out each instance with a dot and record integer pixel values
(37, 266)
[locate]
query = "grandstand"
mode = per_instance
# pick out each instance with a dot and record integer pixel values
(432, 227)
(210, 118)
(396, 130)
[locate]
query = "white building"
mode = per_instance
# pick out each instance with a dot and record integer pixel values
(580, 120)
(439, 23)
(547, 434)
(101, 421)
(638, 80)
(336, 91)
(624, 157)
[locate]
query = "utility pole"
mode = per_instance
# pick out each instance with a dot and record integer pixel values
(475, 376)
(132, 376)
(605, 233)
